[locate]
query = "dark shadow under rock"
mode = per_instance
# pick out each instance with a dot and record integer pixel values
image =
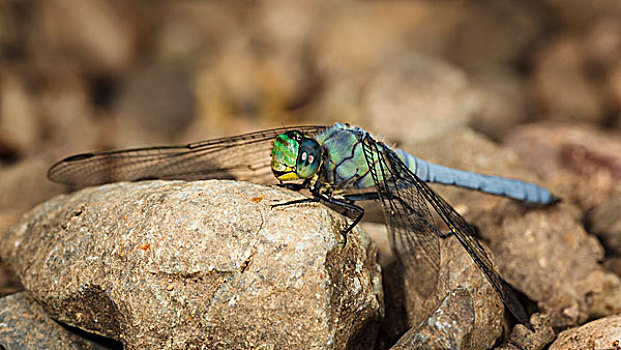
(26, 326)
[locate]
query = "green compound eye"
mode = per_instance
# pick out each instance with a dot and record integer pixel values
(309, 158)
(284, 155)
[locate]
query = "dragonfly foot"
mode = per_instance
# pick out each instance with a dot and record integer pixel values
(345, 232)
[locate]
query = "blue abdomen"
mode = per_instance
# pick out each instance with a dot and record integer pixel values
(496, 185)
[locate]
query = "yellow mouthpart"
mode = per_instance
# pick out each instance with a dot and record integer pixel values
(288, 176)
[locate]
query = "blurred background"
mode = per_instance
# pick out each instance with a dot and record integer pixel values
(82, 75)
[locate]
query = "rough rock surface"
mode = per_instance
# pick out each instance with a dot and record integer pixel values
(602, 334)
(522, 338)
(206, 264)
(457, 270)
(557, 266)
(26, 326)
(449, 327)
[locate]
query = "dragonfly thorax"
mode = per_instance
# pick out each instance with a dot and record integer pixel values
(295, 156)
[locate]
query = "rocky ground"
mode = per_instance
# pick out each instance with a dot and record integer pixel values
(523, 89)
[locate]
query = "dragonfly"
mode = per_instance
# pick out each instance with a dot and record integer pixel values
(339, 165)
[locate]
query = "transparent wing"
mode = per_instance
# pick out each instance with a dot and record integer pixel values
(411, 232)
(243, 157)
(404, 197)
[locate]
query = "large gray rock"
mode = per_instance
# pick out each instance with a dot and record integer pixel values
(197, 265)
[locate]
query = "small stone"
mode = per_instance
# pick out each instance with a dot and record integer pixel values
(602, 334)
(524, 339)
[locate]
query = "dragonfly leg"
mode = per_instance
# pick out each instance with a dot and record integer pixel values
(347, 205)
(297, 201)
(343, 204)
(370, 196)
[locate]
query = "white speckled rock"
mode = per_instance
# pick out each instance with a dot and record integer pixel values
(199, 265)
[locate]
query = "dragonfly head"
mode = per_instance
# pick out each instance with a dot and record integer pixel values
(295, 156)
